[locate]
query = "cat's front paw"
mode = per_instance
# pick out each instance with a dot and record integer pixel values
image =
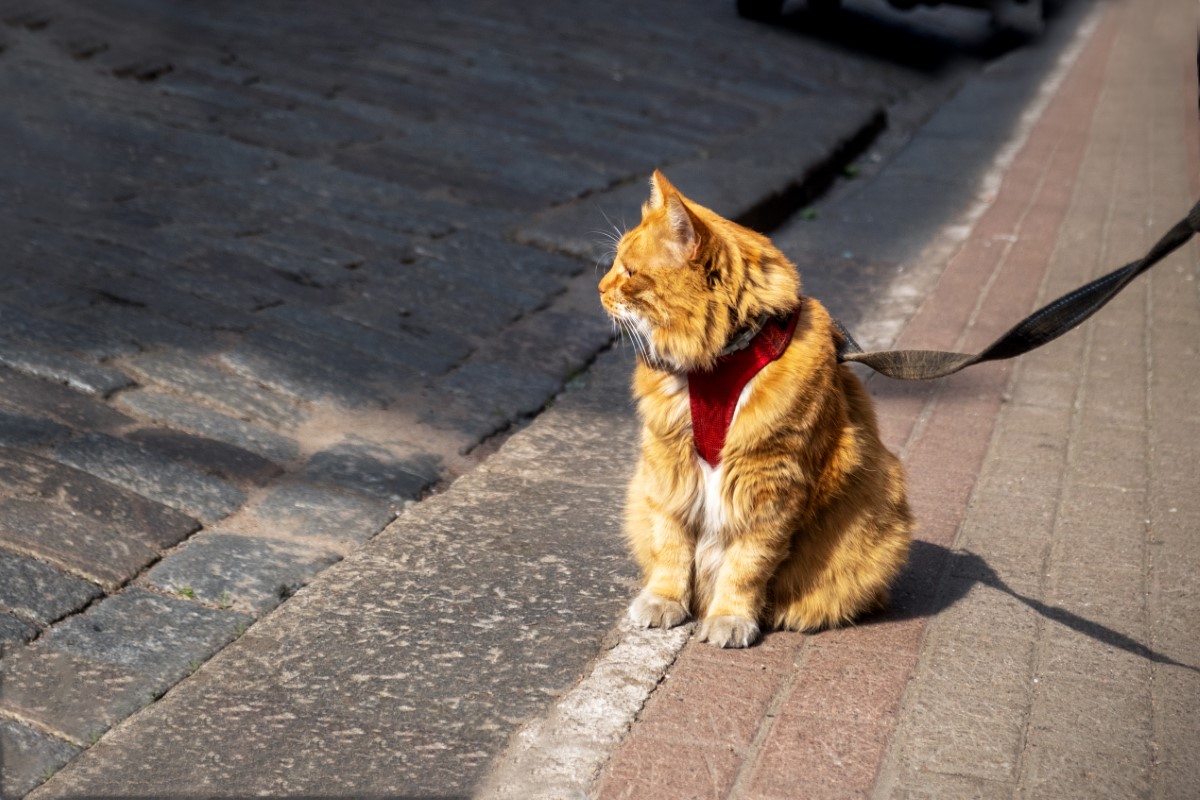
(729, 631)
(652, 611)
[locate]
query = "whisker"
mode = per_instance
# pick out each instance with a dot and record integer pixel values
(638, 339)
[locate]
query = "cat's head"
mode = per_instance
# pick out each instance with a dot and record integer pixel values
(686, 281)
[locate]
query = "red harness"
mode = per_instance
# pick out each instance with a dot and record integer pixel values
(714, 393)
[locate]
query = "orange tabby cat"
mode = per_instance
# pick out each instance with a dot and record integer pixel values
(780, 506)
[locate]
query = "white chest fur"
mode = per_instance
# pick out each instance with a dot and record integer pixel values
(710, 512)
(710, 517)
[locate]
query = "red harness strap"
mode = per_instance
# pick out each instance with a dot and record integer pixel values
(714, 393)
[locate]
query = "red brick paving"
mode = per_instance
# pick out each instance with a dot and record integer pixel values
(822, 709)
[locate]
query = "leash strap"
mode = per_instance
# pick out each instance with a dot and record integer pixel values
(1040, 327)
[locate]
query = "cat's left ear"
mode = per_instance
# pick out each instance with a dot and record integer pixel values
(685, 228)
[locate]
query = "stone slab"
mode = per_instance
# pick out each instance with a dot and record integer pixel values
(89, 497)
(231, 392)
(28, 757)
(104, 554)
(373, 470)
(53, 365)
(39, 592)
(427, 355)
(161, 638)
(38, 398)
(226, 461)
(29, 432)
(14, 632)
(252, 439)
(75, 698)
(318, 515)
(152, 475)
(248, 573)
(309, 373)
(19, 324)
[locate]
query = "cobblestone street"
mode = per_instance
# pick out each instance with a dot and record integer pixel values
(276, 271)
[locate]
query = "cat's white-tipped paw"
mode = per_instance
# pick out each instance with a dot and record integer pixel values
(729, 631)
(649, 610)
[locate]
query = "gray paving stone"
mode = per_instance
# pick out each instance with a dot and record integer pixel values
(377, 244)
(259, 285)
(28, 757)
(89, 497)
(1179, 772)
(465, 184)
(926, 785)
(39, 592)
(316, 264)
(74, 697)
(230, 391)
(513, 269)
(314, 370)
(226, 461)
(105, 555)
(22, 430)
(1085, 734)
(159, 637)
(14, 632)
(337, 262)
(435, 296)
(373, 470)
(38, 398)
(980, 607)
(426, 355)
(248, 573)
(319, 515)
(968, 714)
(239, 297)
(368, 199)
(94, 345)
(505, 391)
(175, 305)
(43, 362)
(233, 433)
(1119, 541)
(152, 475)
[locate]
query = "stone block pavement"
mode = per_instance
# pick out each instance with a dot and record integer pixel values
(190, 438)
(276, 272)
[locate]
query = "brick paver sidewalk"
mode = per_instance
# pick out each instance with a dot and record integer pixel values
(1043, 642)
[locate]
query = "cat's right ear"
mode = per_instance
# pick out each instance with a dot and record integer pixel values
(660, 189)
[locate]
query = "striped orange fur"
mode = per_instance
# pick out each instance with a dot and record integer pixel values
(804, 522)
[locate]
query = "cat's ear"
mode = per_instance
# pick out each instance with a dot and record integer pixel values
(684, 227)
(660, 190)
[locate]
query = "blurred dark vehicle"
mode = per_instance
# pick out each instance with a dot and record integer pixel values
(1022, 17)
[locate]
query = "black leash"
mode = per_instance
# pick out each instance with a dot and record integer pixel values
(1043, 325)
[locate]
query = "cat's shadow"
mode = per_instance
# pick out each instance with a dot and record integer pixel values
(920, 592)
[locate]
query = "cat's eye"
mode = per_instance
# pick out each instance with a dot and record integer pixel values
(628, 271)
